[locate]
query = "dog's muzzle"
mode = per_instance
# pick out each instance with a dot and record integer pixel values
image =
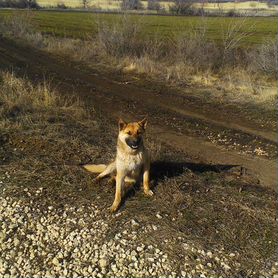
(133, 143)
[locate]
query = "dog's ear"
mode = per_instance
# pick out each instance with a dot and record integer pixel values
(122, 124)
(143, 123)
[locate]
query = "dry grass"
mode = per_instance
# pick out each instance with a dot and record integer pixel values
(243, 75)
(20, 25)
(205, 206)
(20, 99)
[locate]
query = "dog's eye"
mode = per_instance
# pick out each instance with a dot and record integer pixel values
(129, 132)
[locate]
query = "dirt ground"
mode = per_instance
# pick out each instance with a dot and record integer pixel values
(206, 129)
(208, 157)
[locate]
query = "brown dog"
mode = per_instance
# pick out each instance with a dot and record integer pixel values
(131, 161)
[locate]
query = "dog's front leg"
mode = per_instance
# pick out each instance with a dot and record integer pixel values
(146, 179)
(118, 195)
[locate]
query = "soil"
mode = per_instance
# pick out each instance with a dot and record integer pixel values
(206, 132)
(213, 166)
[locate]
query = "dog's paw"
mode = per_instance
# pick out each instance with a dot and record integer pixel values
(148, 193)
(114, 208)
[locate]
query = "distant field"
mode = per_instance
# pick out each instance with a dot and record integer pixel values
(115, 5)
(102, 4)
(80, 25)
(240, 6)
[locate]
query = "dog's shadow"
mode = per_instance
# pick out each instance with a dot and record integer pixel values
(168, 169)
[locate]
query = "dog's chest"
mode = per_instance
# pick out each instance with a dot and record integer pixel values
(130, 163)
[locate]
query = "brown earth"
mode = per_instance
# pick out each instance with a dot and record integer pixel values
(211, 133)
(213, 189)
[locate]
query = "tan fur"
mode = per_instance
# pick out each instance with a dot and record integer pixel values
(95, 168)
(132, 160)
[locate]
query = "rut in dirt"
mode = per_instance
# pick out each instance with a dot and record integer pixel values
(197, 129)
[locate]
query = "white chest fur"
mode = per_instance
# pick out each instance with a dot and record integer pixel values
(129, 164)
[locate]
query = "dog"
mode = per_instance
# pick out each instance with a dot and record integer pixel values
(132, 160)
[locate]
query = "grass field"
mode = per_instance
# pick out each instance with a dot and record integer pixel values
(81, 25)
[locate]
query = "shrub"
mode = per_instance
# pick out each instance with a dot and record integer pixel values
(131, 5)
(20, 25)
(121, 39)
(182, 7)
(195, 49)
(62, 5)
(154, 5)
(264, 58)
(20, 4)
(232, 13)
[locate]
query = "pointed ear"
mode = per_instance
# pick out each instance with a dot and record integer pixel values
(143, 123)
(121, 124)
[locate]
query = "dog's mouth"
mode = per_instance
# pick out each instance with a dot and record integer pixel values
(134, 147)
(133, 144)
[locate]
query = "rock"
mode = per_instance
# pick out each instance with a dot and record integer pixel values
(55, 261)
(133, 253)
(103, 263)
(16, 241)
(225, 266)
(158, 216)
(209, 254)
(134, 223)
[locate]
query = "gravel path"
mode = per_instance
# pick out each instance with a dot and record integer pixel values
(72, 243)
(75, 242)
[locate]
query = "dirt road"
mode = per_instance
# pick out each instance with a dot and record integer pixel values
(206, 132)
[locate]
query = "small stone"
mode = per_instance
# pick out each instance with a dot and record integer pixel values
(55, 261)
(226, 267)
(183, 274)
(133, 253)
(209, 254)
(103, 263)
(16, 241)
(134, 223)
(217, 259)
(158, 216)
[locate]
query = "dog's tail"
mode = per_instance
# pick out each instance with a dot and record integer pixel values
(95, 168)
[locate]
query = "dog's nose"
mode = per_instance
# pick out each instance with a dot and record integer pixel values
(137, 140)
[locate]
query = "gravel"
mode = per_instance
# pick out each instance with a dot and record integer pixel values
(76, 242)
(50, 243)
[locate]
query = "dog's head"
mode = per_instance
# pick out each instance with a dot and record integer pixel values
(131, 134)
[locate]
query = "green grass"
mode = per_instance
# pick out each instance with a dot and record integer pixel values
(82, 25)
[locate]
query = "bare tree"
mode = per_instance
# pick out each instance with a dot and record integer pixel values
(85, 3)
(21, 4)
(237, 31)
(154, 5)
(183, 7)
(131, 5)
(29, 4)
